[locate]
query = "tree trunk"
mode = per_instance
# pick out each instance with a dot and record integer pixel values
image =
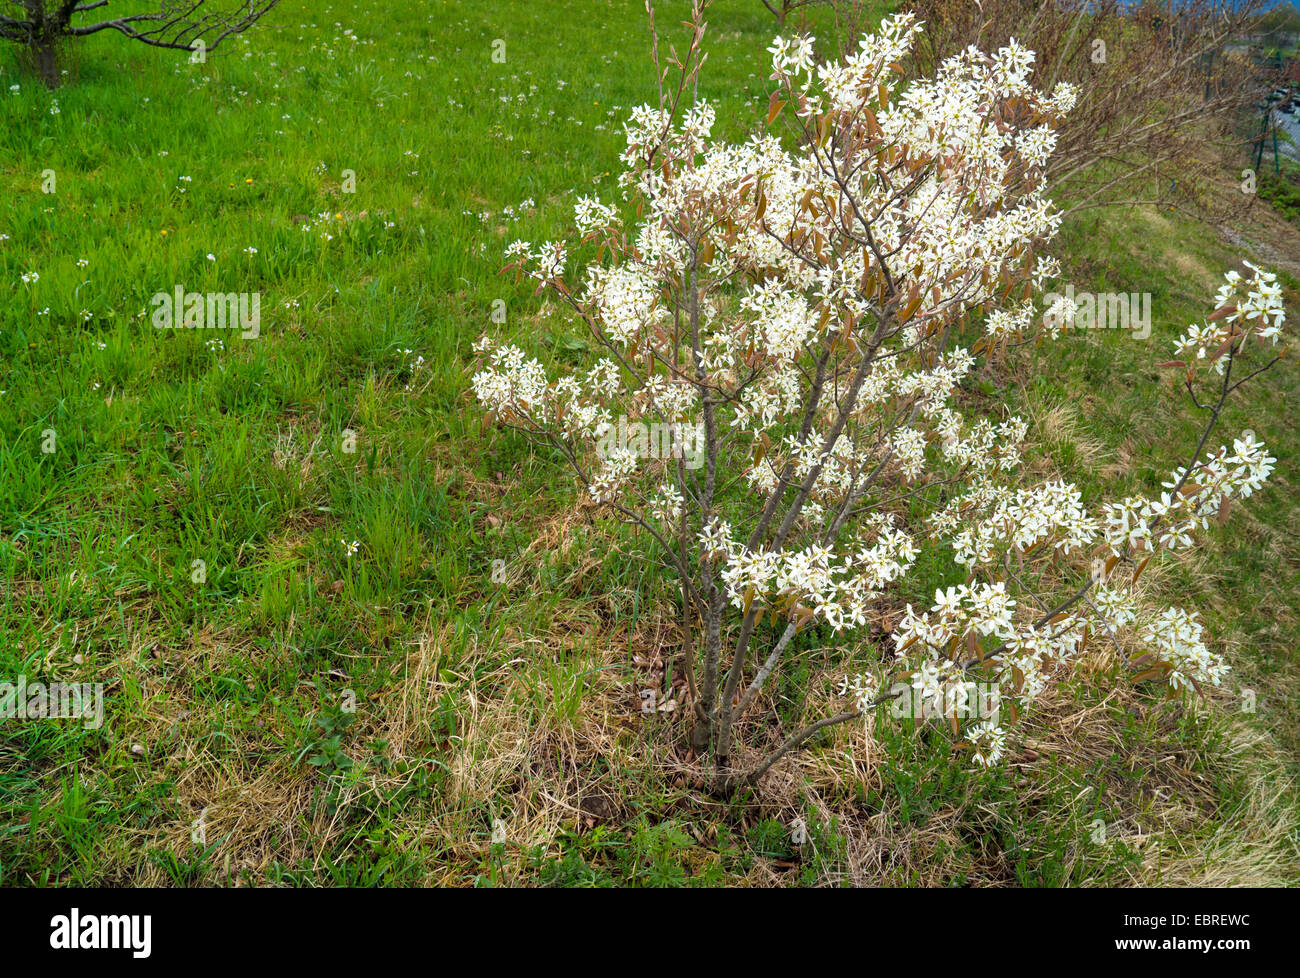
(700, 735)
(723, 785)
(48, 62)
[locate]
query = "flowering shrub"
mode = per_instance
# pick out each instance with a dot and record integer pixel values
(803, 312)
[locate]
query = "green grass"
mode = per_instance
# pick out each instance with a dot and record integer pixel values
(491, 639)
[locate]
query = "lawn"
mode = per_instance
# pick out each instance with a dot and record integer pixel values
(348, 634)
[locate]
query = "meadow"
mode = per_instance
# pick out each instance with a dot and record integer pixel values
(350, 635)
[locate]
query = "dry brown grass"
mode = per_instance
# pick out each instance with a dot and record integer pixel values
(1055, 425)
(523, 760)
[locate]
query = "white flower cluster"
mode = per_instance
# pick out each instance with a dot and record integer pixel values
(957, 612)
(591, 215)
(838, 590)
(513, 384)
(666, 505)
(518, 390)
(1176, 639)
(1170, 521)
(861, 687)
(547, 261)
(1246, 308)
(958, 630)
(988, 742)
(626, 302)
(1020, 519)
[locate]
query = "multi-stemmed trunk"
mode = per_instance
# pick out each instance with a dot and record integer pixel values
(722, 698)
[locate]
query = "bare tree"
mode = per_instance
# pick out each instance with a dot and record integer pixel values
(1162, 88)
(185, 25)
